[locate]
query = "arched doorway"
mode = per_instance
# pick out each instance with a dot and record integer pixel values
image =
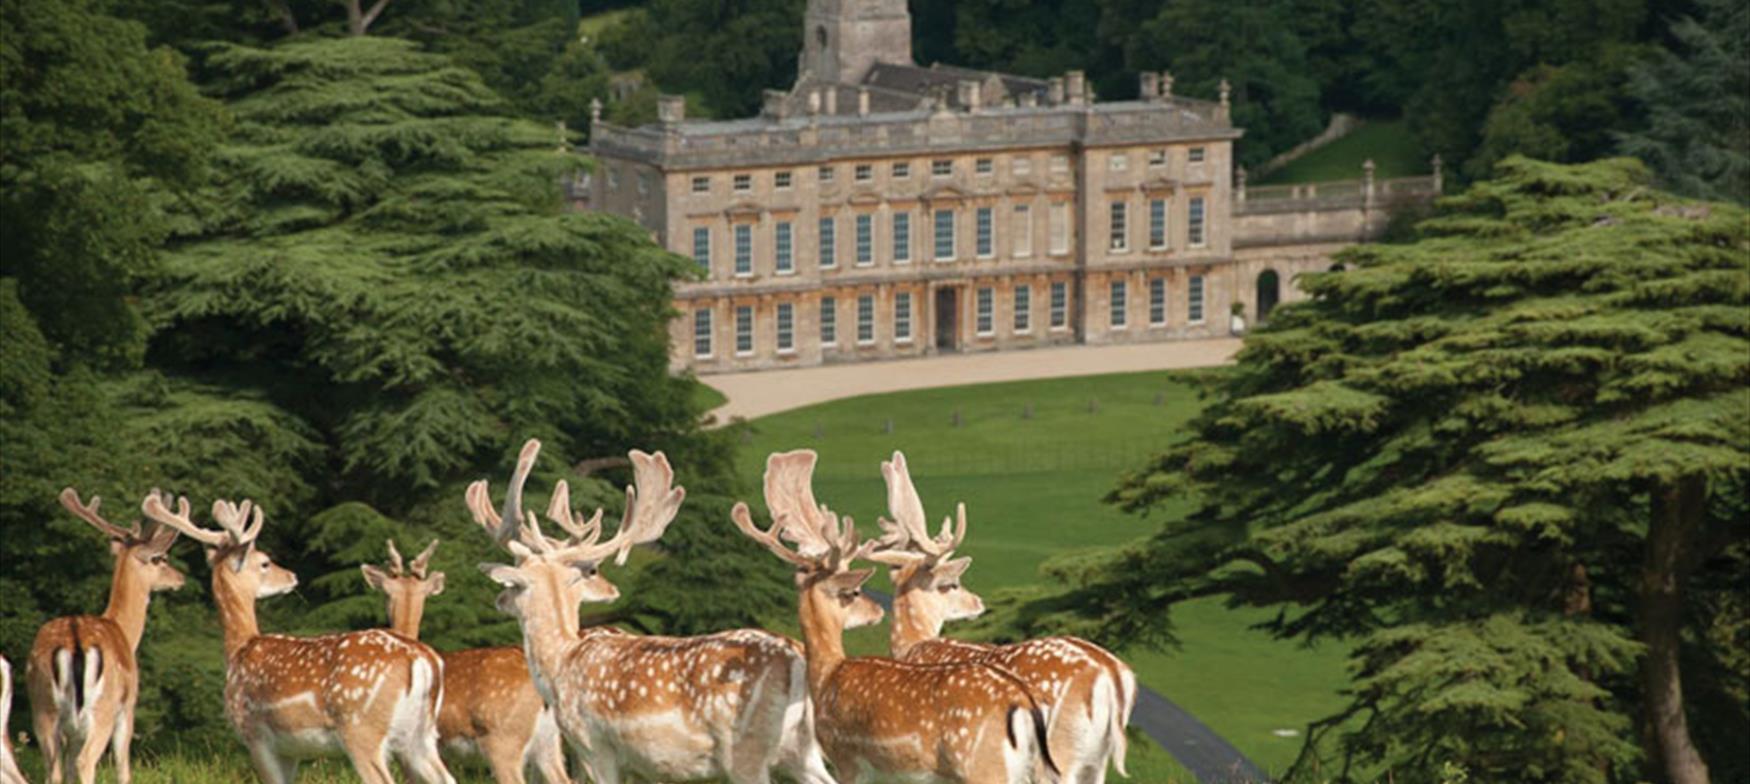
(1269, 293)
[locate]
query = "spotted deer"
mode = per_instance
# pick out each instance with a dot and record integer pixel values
(1087, 692)
(367, 694)
(882, 718)
(491, 708)
(9, 772)
(732, 705)
(82, 677)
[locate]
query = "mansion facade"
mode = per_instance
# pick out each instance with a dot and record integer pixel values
(879, 209)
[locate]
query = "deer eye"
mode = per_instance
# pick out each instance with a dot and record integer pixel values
(158, 559)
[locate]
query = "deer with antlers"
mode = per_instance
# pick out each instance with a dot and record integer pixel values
(1086, 691)
(491, 708)
(366, 694)
(968, 722)
(9, 772)
(732, 705)
(82, 678)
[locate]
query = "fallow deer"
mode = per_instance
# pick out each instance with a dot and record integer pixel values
(9, 772)
(732, 705)
(82, 678)
(491, 708)
(366, 694)
(1086, 691)
(882, 718)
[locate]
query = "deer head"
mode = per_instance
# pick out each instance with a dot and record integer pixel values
(570, 567)
(406, 587)
(231, 551)
(926, 575)
(142, 557)
(825, 548)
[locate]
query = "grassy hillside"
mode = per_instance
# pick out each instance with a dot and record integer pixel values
(1390, 144)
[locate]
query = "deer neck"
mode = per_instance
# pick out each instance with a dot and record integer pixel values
(236, 608)
(823, 640)
(550, 627)
(405, 613)
(912, 623)
(128, 597)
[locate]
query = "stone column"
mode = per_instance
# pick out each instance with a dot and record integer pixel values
(671, 109)
(862, 101)
(1240, 185)
(1167, 85)
(1222, 112)
(1367, 183)
(1438, 179)
(1149, 86)
(595, 113)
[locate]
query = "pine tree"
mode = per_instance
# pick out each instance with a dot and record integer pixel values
(1509, 462)
(1697, 104)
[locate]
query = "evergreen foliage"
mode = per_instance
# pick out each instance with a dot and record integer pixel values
(1697, 106)
(1465, 454)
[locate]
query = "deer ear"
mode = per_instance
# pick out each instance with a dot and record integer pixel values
(952, 570)
(374, 577)
(507, 576)
(434, 584)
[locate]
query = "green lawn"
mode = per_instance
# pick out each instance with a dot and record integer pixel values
(1389, 143)
(1032, 487)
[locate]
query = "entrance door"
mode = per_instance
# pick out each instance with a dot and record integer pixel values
(1269, 293)
(947, 319)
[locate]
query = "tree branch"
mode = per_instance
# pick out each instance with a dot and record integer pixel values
(284, 13)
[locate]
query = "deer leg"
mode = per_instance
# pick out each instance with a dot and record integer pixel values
(422, 761)
(546, 749)
(366, 751)
(269, 766)
(48, 735)
(504, 754)
(96, 741)
(121, 742)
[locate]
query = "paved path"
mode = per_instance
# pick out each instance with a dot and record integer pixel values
(1191, 742)
(757, 393)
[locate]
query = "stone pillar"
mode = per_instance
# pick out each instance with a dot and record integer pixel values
(1029, 99)
(671, 109)
(832, 100)
(862, 101)
(969, 95)
(1438, 179)
(1167, 85)
(1054, 91)
(1240, 185)
(814, 101)
(1149, 86)
(595, 113)
(564, 135)
(1224, 89)
(1367, 183)
(772, 104)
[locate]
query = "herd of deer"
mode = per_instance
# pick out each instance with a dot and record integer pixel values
(736, 705)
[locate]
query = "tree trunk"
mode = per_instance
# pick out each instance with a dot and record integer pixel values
(283, 12)
(358, 20)
(1678, 512)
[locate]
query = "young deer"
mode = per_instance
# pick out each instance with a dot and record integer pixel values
(82, 677)
(1086, 691)
(9, 773)
(960, 722)
(732, 705)
(368, 694)
(490, 706)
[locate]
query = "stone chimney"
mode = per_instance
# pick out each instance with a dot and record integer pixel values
(1149, 86)
(772, 104)
(671, 109)
(969, 95)
(1054, 93)
(832, 100)
(1075, 86)
(1222, 111)
(1167, 85)
(595, 112)
(1029, 99)
(862, 101)
(814, 100)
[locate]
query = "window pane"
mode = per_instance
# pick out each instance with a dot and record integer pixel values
(902, 236)
(865, 239)
(744, 329)
(785, 261)
(1119, 316)
(1120, 237)
(944, 234)
(829, 321)
(1194, 224)
(986, 240)
(1157, 301)
(902, 316)
(701, 184)
(866, 318)
(829, 255)
(702, 248)
(702, 332)
(781, 179)
(1059, 304)
(1023, 308)
(743, 249)
(1157, 223)
(786, 326)
(986, 306)
(1195, 311)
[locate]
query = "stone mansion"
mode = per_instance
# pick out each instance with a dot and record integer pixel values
(880, 209)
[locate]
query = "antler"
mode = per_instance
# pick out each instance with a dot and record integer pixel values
(907, 538)
(822, 543)
(395, 568)
(423, 561)
(89, 513)
(504, 527)
(155, 509)
(651, 504)
(235, 519)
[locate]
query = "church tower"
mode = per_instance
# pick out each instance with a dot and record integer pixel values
(844, 38)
